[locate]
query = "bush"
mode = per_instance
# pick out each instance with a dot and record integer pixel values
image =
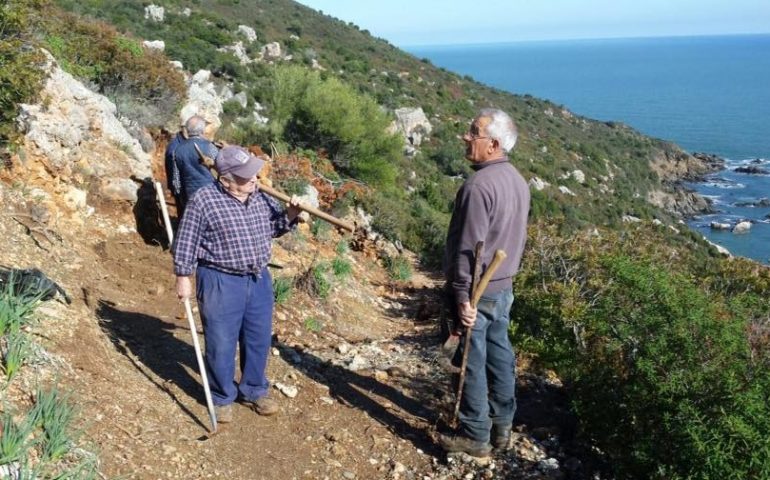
(308, 111)
(341, 267)
(282, 287)
(398, 268)
(663, 373)
(20, 77)
(141, 83)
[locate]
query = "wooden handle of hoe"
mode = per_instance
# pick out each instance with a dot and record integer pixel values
(477, 290)
(207, 161)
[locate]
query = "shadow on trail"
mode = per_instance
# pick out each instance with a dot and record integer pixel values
(148, 342)
(361, 392)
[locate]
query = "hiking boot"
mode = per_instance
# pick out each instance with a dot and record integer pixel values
(458, 443)
(264, 406)
(501, 438)
(224, 413)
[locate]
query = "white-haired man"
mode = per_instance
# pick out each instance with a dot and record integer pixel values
(183, 168)
(492, 206)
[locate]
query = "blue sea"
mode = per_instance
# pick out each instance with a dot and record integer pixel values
(707, 94)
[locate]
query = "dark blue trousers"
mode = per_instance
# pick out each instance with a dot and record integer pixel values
(236, 310)
(489, 389)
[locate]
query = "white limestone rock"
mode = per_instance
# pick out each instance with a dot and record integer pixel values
(248, 32)
(72, 125)
(538, 184)
(271, 51)
(154, 13)
(159, 45)
(412, 124)
(742, 227)
(204, 100)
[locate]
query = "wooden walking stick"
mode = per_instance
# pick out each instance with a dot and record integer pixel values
(190, 319)
(209, 162)
(477, 290)
(201, 365)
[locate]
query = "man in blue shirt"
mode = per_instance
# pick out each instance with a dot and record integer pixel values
(225, 237)
(184, 170)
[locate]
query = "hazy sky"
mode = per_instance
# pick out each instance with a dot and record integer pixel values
(433, 22)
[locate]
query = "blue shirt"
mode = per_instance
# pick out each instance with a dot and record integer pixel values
(221, 232)
(192, 174)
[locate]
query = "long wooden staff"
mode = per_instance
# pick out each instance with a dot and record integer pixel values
(476, 291)
(190, 318)
(205, 160)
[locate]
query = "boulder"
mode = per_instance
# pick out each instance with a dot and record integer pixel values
(412, 124)
(75, 126)
(242, 99)
(271, 51)
(752, 170)
(248, 32)
(203, 100)
(719, 226)
(186, 12)
(742, 227)
(537, 184)
(154, 13)
(119, 189)
(159, 45)
(239, 51)
(566, 190)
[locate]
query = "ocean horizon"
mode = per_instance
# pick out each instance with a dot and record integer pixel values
(705, 93)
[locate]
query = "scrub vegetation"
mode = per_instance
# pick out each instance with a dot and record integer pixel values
(662, 344)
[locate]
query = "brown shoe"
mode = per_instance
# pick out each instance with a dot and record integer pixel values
(264, 406)
(459, 443)
(224, 413)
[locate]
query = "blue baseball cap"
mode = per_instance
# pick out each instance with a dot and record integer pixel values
(237, 161)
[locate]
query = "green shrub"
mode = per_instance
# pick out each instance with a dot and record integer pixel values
(15, 309)
(54, 414)
(16, 349)
(398, 267)
(309, 111)
(16, 438)
(322, 285)
(20, 75)
(663, 373)
(282, 288)
(313, 325)
(341, 267)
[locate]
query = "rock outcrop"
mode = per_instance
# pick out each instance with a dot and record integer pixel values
(413, 125)
(673, 165)
(74, 137)
(204, 100)
(679, 201)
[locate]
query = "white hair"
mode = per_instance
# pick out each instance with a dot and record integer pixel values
(500, 128)
(195, 126)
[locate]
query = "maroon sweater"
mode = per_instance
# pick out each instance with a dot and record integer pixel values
(492, 206)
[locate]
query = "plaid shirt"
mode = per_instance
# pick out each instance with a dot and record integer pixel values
(219, 231)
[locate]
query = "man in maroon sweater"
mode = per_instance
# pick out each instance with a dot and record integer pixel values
(492, 206)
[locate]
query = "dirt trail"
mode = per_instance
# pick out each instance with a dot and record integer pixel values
(370, 391)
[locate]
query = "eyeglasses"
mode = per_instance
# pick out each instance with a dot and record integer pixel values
(470, 137)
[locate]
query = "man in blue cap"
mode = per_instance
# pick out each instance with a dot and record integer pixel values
(225, 237)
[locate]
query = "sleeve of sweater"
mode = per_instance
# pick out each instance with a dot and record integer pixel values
(474, 208)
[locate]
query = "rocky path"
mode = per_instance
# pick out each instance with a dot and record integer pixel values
(357, 374)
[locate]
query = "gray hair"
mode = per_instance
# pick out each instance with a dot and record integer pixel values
(500, 128)
(195, 125)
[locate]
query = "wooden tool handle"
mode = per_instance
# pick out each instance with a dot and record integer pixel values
(209, 162)
(485, 279)
(311, 210)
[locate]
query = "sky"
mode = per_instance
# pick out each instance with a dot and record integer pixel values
(444, 22)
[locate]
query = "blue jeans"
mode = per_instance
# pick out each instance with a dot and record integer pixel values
(489, 389)
(236, 310)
